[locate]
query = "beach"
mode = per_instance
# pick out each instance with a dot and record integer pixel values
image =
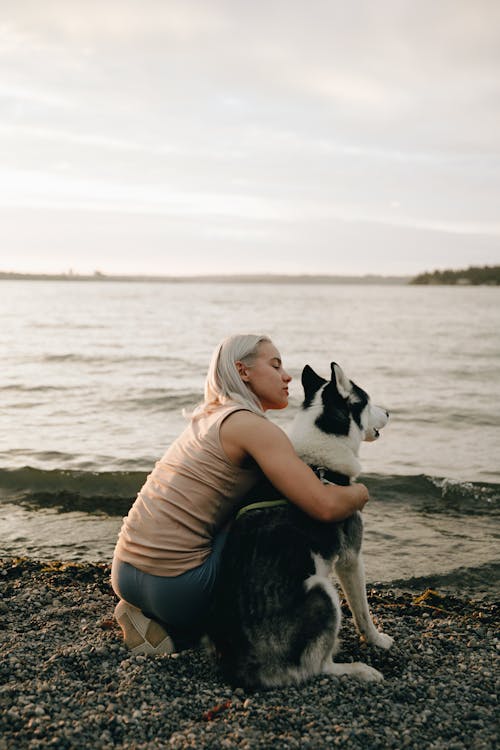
(67, 680)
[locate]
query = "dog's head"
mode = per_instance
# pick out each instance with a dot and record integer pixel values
(343, 407)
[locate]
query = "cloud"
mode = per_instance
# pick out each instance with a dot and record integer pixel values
(255, 120)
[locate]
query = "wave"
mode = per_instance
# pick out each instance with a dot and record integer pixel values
(157, 399)
(478, 416)
(436, 495)
(108, 493)
(18, 388)
(103, 359)
(151, 400)
(111, 492)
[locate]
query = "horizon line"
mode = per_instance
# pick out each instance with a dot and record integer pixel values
(221, 277)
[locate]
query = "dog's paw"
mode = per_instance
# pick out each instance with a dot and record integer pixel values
(357, 669)
(366, 673)
(381, 640)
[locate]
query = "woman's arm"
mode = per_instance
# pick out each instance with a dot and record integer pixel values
(246, 434)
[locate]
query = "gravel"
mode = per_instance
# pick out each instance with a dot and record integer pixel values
(67, 681)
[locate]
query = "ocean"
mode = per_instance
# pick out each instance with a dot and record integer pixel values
(95, 375)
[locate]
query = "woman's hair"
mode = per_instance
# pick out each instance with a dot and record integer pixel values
(223, 382)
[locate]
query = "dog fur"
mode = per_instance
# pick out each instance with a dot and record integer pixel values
(276, 614)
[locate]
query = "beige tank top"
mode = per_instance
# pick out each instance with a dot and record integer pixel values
(190, 494)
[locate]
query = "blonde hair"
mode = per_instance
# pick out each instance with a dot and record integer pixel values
(223, 382)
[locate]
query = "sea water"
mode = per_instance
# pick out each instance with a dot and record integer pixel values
(94, 377)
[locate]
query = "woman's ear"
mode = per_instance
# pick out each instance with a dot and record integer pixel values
(243, 371)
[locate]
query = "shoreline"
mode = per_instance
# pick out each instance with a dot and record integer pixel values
(68, 681)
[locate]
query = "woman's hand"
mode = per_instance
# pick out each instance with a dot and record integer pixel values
(245, 434)
(363, 494)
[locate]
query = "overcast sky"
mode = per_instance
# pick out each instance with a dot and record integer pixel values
(179, 137)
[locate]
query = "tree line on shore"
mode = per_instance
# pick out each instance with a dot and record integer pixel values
(474, 276)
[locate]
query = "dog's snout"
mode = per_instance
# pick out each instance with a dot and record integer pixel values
(386, 413)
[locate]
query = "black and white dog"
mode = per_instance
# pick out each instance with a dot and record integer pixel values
(276, 613)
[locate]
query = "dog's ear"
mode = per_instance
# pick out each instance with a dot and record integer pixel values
(340, 380)
(311, 382)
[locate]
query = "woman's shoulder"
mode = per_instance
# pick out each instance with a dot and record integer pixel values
(243, 430)
(241, 413)
(229, 417)
(242, 418)
(223, 412)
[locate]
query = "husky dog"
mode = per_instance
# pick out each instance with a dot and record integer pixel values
(276, 613)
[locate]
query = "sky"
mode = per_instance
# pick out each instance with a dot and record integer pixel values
(236, 136)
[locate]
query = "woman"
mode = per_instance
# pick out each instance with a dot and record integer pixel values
(169, 548)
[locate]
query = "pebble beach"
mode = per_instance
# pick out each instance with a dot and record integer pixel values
(67, 680)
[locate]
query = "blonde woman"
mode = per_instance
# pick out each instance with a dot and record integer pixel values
(169, 548)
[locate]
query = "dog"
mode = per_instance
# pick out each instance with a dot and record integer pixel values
(276, 615)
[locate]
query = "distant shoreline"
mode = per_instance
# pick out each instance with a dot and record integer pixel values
(473, 276)
(213, 279)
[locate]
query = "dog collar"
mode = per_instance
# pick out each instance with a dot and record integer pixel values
(261, 505)
(332, 477)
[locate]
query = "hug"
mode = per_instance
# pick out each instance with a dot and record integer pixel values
(259, 585)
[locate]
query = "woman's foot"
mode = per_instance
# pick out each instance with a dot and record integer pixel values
(141, 634)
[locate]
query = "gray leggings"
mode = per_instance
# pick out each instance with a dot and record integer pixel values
(178, 602)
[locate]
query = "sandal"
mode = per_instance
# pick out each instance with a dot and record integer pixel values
(142, 634)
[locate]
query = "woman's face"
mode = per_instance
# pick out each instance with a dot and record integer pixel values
(266, 377)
